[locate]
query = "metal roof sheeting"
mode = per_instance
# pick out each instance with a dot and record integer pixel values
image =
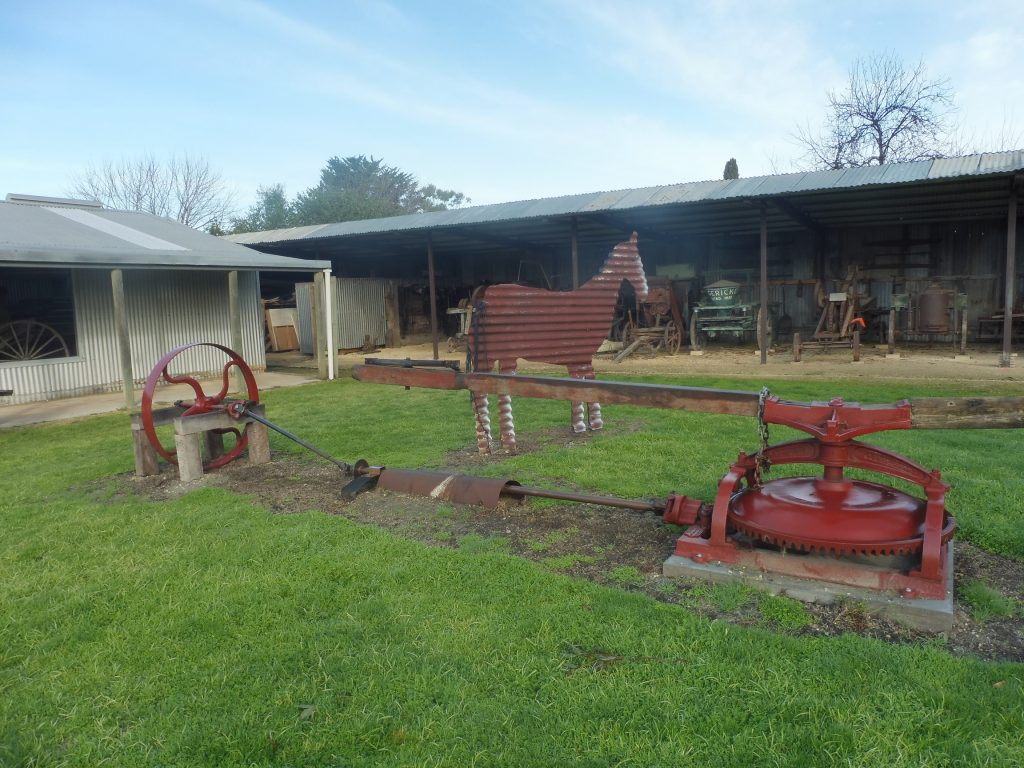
(85, 236)
(715, 191)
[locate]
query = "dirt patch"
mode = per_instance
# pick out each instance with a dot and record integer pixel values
(605, 545)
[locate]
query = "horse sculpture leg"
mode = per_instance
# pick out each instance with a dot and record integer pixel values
(483, 423)
(596, 422)
(508, 431)
(578, 409)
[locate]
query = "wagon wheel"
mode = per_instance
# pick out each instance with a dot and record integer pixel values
(629, 333)
(203, 403)
(30, 340)
(673, 337)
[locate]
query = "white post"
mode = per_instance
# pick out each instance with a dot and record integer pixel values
(328, 315)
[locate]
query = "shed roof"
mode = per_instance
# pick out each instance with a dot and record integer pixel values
(970, 187)
(52, 232)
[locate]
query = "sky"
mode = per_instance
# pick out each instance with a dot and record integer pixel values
(499, 100)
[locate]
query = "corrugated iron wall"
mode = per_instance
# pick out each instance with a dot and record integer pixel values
(165, 309)
(359, 311)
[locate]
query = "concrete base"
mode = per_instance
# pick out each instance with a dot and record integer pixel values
(696, 352)
(893, 356)
(923, 614)
(961, 358)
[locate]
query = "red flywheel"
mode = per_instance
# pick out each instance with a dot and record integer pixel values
(202, 403)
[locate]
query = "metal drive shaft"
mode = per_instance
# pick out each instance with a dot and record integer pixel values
(240, 409)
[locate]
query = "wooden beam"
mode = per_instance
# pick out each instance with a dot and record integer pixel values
(124, 349)
(796, 214)
(235, 328)
(762, 316)
(431, 278)
(1011, 259)
(575, 246)
(332, 343)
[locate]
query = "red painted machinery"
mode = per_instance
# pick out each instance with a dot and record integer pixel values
(872, 535)
(829, 527)
(831, 514)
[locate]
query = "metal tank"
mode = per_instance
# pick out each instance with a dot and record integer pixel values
(933, 309)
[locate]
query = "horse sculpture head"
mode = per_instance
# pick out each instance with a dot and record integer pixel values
(624, 263)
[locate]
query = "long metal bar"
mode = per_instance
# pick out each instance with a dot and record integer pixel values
(292, 436)
(926, 412)
(584, 498)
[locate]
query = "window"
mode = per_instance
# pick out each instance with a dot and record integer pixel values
(37, 314)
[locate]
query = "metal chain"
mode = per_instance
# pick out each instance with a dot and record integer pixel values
(761, 461)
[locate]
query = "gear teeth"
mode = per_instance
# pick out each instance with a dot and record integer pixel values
(876, 549)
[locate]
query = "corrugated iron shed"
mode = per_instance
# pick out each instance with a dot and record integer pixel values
(51, 232)
(969, 187)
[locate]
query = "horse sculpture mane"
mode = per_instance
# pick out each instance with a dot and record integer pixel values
(559, 327)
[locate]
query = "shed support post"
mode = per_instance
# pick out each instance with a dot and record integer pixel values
(124, 349)
(575, 256)
(762, 315)
(433, 292)
(392, 315)
(235, 328)
(319, 326)
(329, 323)
(1011, 257)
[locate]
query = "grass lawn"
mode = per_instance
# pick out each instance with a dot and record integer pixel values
(206, 630)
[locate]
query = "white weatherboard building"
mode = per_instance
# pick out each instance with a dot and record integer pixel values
(91, 299)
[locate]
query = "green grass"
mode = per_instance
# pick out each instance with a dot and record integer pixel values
(626, 575)
(206, 630)
(987, 603)
(784, 612)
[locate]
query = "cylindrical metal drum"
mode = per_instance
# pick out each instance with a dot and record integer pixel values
(933, 310)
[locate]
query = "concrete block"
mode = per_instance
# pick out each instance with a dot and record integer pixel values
(923, 614)
(892, 356)
(190, 459)
(696, 352)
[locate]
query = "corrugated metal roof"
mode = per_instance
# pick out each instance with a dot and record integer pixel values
(58, 234)
(691, 192)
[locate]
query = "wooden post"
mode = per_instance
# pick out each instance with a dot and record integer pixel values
(796, 347)
(856, 346)
(892, 331)
(190, 459)
(235, 328)
(1011, 257)
(963, 330)
(391, 314)
(762, 316)
(433, 292)
(124, 349)
(332, 347)
(575, 247)
(316, 301)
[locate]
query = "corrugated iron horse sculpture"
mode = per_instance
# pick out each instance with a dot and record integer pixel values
(559, 327)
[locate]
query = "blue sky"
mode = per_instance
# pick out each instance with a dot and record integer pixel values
(500, 100)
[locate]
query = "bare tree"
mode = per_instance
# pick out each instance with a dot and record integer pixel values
(887, 114)
(185, 188)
